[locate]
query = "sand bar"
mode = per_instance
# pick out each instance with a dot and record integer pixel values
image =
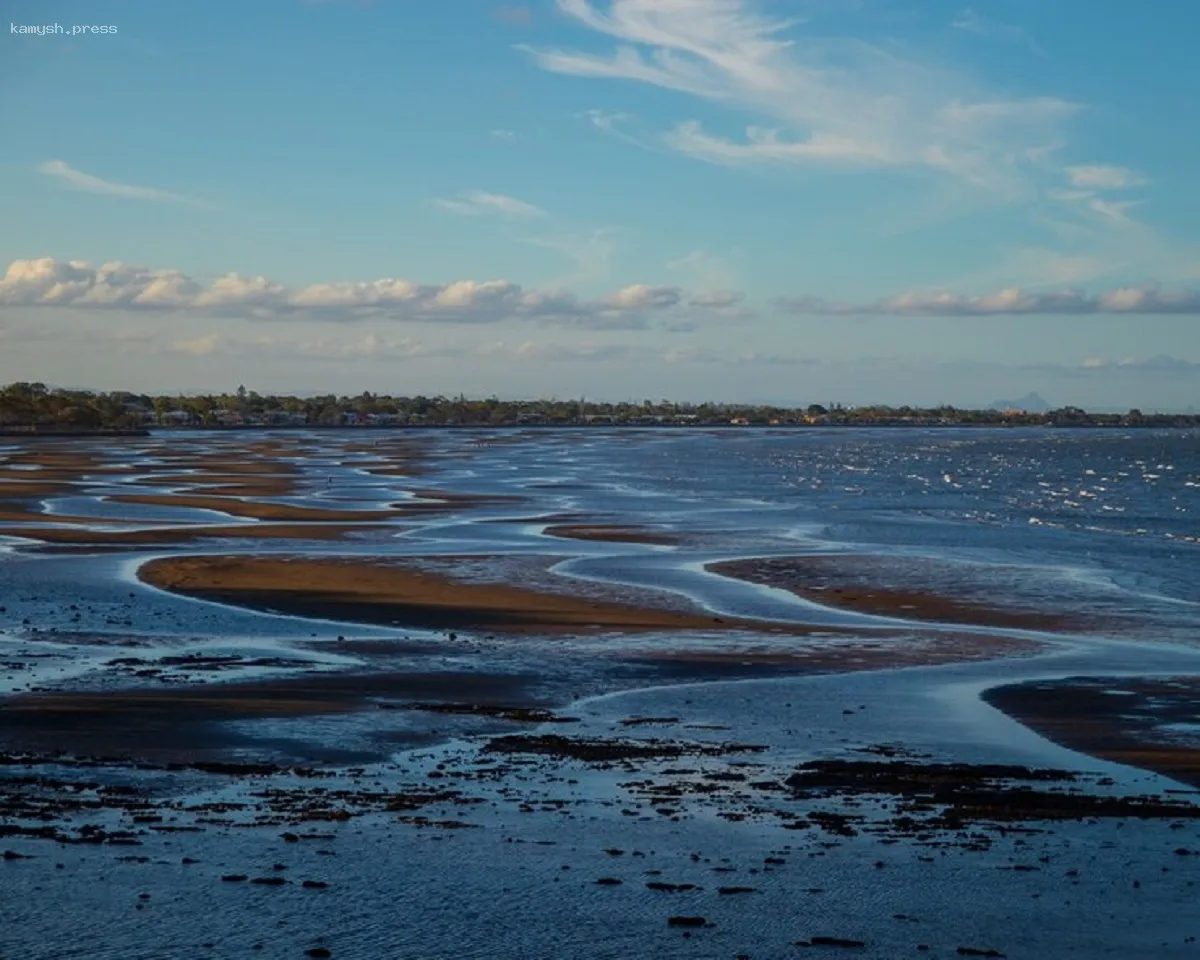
(179, 721)
(191, 534)
(833, 582)
(1152, 724)
(376, 592)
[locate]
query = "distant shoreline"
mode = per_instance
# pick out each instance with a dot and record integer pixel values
(38, 433)
(1171, 423)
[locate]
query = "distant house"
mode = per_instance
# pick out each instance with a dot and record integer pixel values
(740, 422)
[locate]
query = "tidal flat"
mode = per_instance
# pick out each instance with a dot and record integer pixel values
(672, 693)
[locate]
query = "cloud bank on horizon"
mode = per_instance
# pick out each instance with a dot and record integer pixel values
(935, 201)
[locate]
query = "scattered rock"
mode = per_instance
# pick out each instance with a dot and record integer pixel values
(831, 942)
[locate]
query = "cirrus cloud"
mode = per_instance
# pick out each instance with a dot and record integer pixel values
(78, 180)
(815, 98)
(476, 202)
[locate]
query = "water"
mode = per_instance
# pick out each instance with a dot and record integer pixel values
(1104, 524)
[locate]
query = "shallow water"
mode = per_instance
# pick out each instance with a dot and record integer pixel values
(1076, 521)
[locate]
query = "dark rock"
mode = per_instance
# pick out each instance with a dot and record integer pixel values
(831, 942)
(686, 921)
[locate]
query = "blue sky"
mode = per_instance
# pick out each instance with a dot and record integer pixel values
(784, 200)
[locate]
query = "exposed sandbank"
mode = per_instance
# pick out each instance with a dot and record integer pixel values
(375, 592)
(835, 582)
(1152, 723)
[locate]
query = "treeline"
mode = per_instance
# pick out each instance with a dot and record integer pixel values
(34, 407)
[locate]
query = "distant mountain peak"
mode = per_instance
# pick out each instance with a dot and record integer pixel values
(1031, 403)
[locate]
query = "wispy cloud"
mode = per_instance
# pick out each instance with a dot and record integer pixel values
(371, 346)
(591, 253)
(614, 123)
(715, 275)
(1099, 176)
(78, 285)
(587, 352)
(78, 180)
(817, 100)
(476, 202)
(1014, 301)
(506, 135)
(971, 21)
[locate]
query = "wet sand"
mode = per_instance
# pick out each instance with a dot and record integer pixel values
(835, 582)
(176, 535)
(393, 594)
(847, 656)
(186, 722)
(1152, 724)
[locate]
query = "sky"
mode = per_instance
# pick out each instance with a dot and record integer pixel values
(785, 201)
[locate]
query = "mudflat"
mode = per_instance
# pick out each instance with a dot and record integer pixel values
(835, 582)
(1149, 723)
(377, 592)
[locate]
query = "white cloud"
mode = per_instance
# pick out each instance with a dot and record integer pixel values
(971, 21)
(78, 180)
(371, 346)
(605, 120)
(506, 135)
(77, 284)
(762, 145)
(476, 202)
(642, 296)
(197, 346)
(1098, 176)
(1013, 301)
(825, 100)
(1112, 209)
